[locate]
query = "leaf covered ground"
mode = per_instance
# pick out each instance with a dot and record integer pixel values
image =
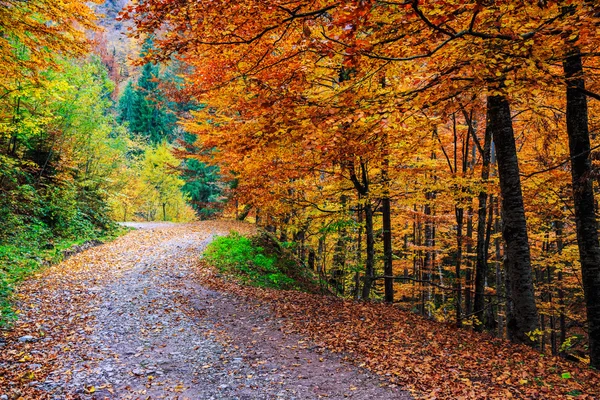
(433, 360)
(143, 317)
(59, 308)
(128, 320)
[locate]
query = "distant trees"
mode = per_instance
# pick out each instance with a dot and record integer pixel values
(142, 106)
(161, 177)
(150, 108)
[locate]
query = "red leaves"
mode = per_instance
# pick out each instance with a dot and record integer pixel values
(432, 360)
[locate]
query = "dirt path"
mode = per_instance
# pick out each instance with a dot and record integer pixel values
(127, 320)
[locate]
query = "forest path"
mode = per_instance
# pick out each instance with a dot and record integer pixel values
(128, 320)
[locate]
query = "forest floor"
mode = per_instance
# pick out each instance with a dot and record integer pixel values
(144, 318)
(135, 319)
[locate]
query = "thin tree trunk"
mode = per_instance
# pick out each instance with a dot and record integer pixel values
(523, 318)
(429, 243)
(244, 214)
(492, 320)
(583, 197)
(388, 268)
(562, 321)
(370, 262)
(311, 259)
(358, 251)
(481, 266)
(459, 246)
(499, 279)
(469, 265)
(387, 250)
(553, 345)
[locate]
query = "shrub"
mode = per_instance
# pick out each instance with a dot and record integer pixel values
(240, 257)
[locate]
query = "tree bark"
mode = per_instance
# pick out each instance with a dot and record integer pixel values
(429, 252)
(523, 317)
(583, 197)
(459, 211)
(387, 250)
(244, 214)
(562, 321)
(311, 259)
(370, 262)
(498, 274)
(359, 242)
(469, 264)
(481, 265)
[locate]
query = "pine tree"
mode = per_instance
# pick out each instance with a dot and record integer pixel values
(142, 105)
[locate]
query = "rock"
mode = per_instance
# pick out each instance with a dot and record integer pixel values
(27, 339)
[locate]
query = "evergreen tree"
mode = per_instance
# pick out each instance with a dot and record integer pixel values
(128, 104)
(201, 185)
(142, 105)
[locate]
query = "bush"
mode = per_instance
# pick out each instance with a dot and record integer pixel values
(240, 257)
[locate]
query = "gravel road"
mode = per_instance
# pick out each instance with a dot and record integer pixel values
(136, 325)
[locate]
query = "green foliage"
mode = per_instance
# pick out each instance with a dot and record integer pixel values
(201, 182)
(142, 106)
(163, 184)
(241, 257)
(61, 153)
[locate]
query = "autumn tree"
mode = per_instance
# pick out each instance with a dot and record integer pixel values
(361, 107)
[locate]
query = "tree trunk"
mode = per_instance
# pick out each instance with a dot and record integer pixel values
(459, 246)
(338, 271)
(491, 321)
(481, 266)
(387, 250)
(370, 262)
(311, 259)
(244, 214)
(429, 244)
(388, 267)
(583, 197)
(469, 265)
(498, 275)
(359, 239)
(562, 320)
(524, 317)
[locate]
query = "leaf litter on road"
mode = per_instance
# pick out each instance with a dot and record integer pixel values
(126, 320)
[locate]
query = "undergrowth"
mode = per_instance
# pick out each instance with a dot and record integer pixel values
(257, 261)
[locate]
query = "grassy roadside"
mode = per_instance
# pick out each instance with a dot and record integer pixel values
(20, 261)
(259, 261)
